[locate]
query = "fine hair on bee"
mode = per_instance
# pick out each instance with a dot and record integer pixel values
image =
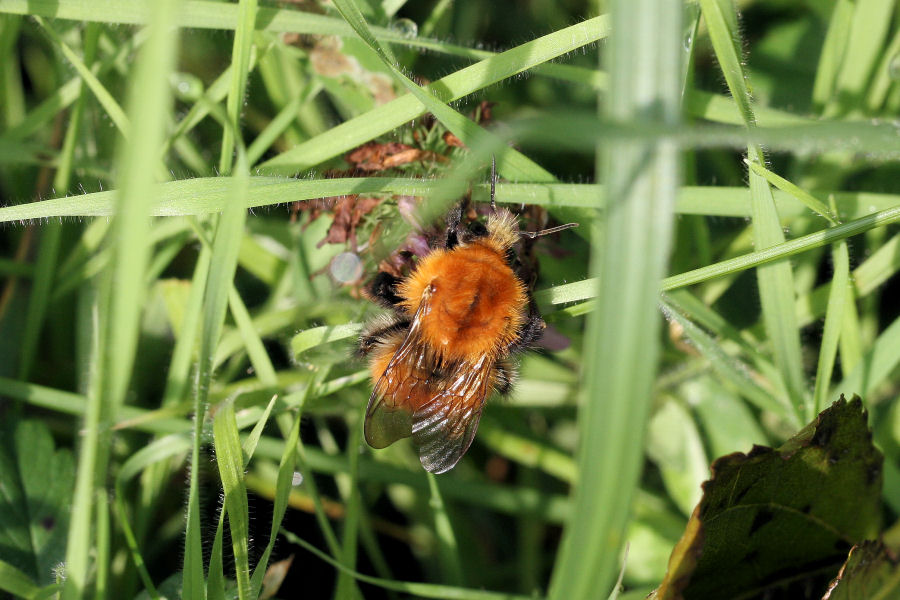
(449, 338)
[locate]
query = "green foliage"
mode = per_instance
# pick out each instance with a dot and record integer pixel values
(187, 236)
(777, 518)
(34, 507)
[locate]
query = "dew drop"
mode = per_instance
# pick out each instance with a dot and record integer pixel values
(346, 267)
(405, 27)
(297, 478)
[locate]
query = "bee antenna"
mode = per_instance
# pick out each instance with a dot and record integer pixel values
(493, 182)
(536, 234)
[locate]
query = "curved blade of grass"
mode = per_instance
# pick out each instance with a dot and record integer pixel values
(851, 342)
(878, 267)
(250, 442)
(448, 549)
(813, 203)
(230, 459)
(256, 350)
(832, 53)
(776, 285)
(728, 368)
(230, 227)
(240, 62)
(123, 288)
(695, 310)
(16, 582)
(317, 336)
(864, 46)
(46, 263)
(631, 248)
(422, 590)
(215, 583)
(876, 365)
(283, 486)
(882, 79)
(433, 98)
(109, 104)
(202, 196)
(582, 290)
(348, 486)
(834, 317)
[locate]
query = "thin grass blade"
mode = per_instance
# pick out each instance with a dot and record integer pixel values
(631, 249)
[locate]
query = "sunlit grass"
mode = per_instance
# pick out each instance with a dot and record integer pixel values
(162, 280)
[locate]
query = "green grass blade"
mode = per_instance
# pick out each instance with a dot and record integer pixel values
(215, 582)
(178, 374)
(113, 110)
(727, 367)
(776, 286)
(387, 117)
(448, 549)
(101, 577)
(832, 53)
(834, 318)
(149, 98)
(259, 358)
(249, 444)
(813, 203)
(422, 590)
(582, 290)
(283, 486)
(16, 582)
(317, 336)
(45, 266)
(240, 63)
(229, 227)
(630, 248)
(851, 344)
(875, 367)
(349, 487)
(230, 459)
(785, 249)
(865, 44)
(882, 79)
(203, 196)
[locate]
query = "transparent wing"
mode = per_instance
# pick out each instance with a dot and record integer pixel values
(404, 385)
(444, 426)
(438, 405)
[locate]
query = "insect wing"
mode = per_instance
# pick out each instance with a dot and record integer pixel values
(404, 385)
(440, 411)
(444, 426)
(389, 413)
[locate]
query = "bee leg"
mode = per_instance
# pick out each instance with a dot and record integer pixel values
(380, 331)
(454, 217)
(382, 290)
(530, 332)
(504, 376)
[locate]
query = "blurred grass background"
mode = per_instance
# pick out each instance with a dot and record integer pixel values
(146, 342)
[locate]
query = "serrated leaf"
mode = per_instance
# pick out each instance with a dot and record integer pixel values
(776, 516)
(36, 483)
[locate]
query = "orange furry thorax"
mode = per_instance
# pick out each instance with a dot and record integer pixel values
(477, 303)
